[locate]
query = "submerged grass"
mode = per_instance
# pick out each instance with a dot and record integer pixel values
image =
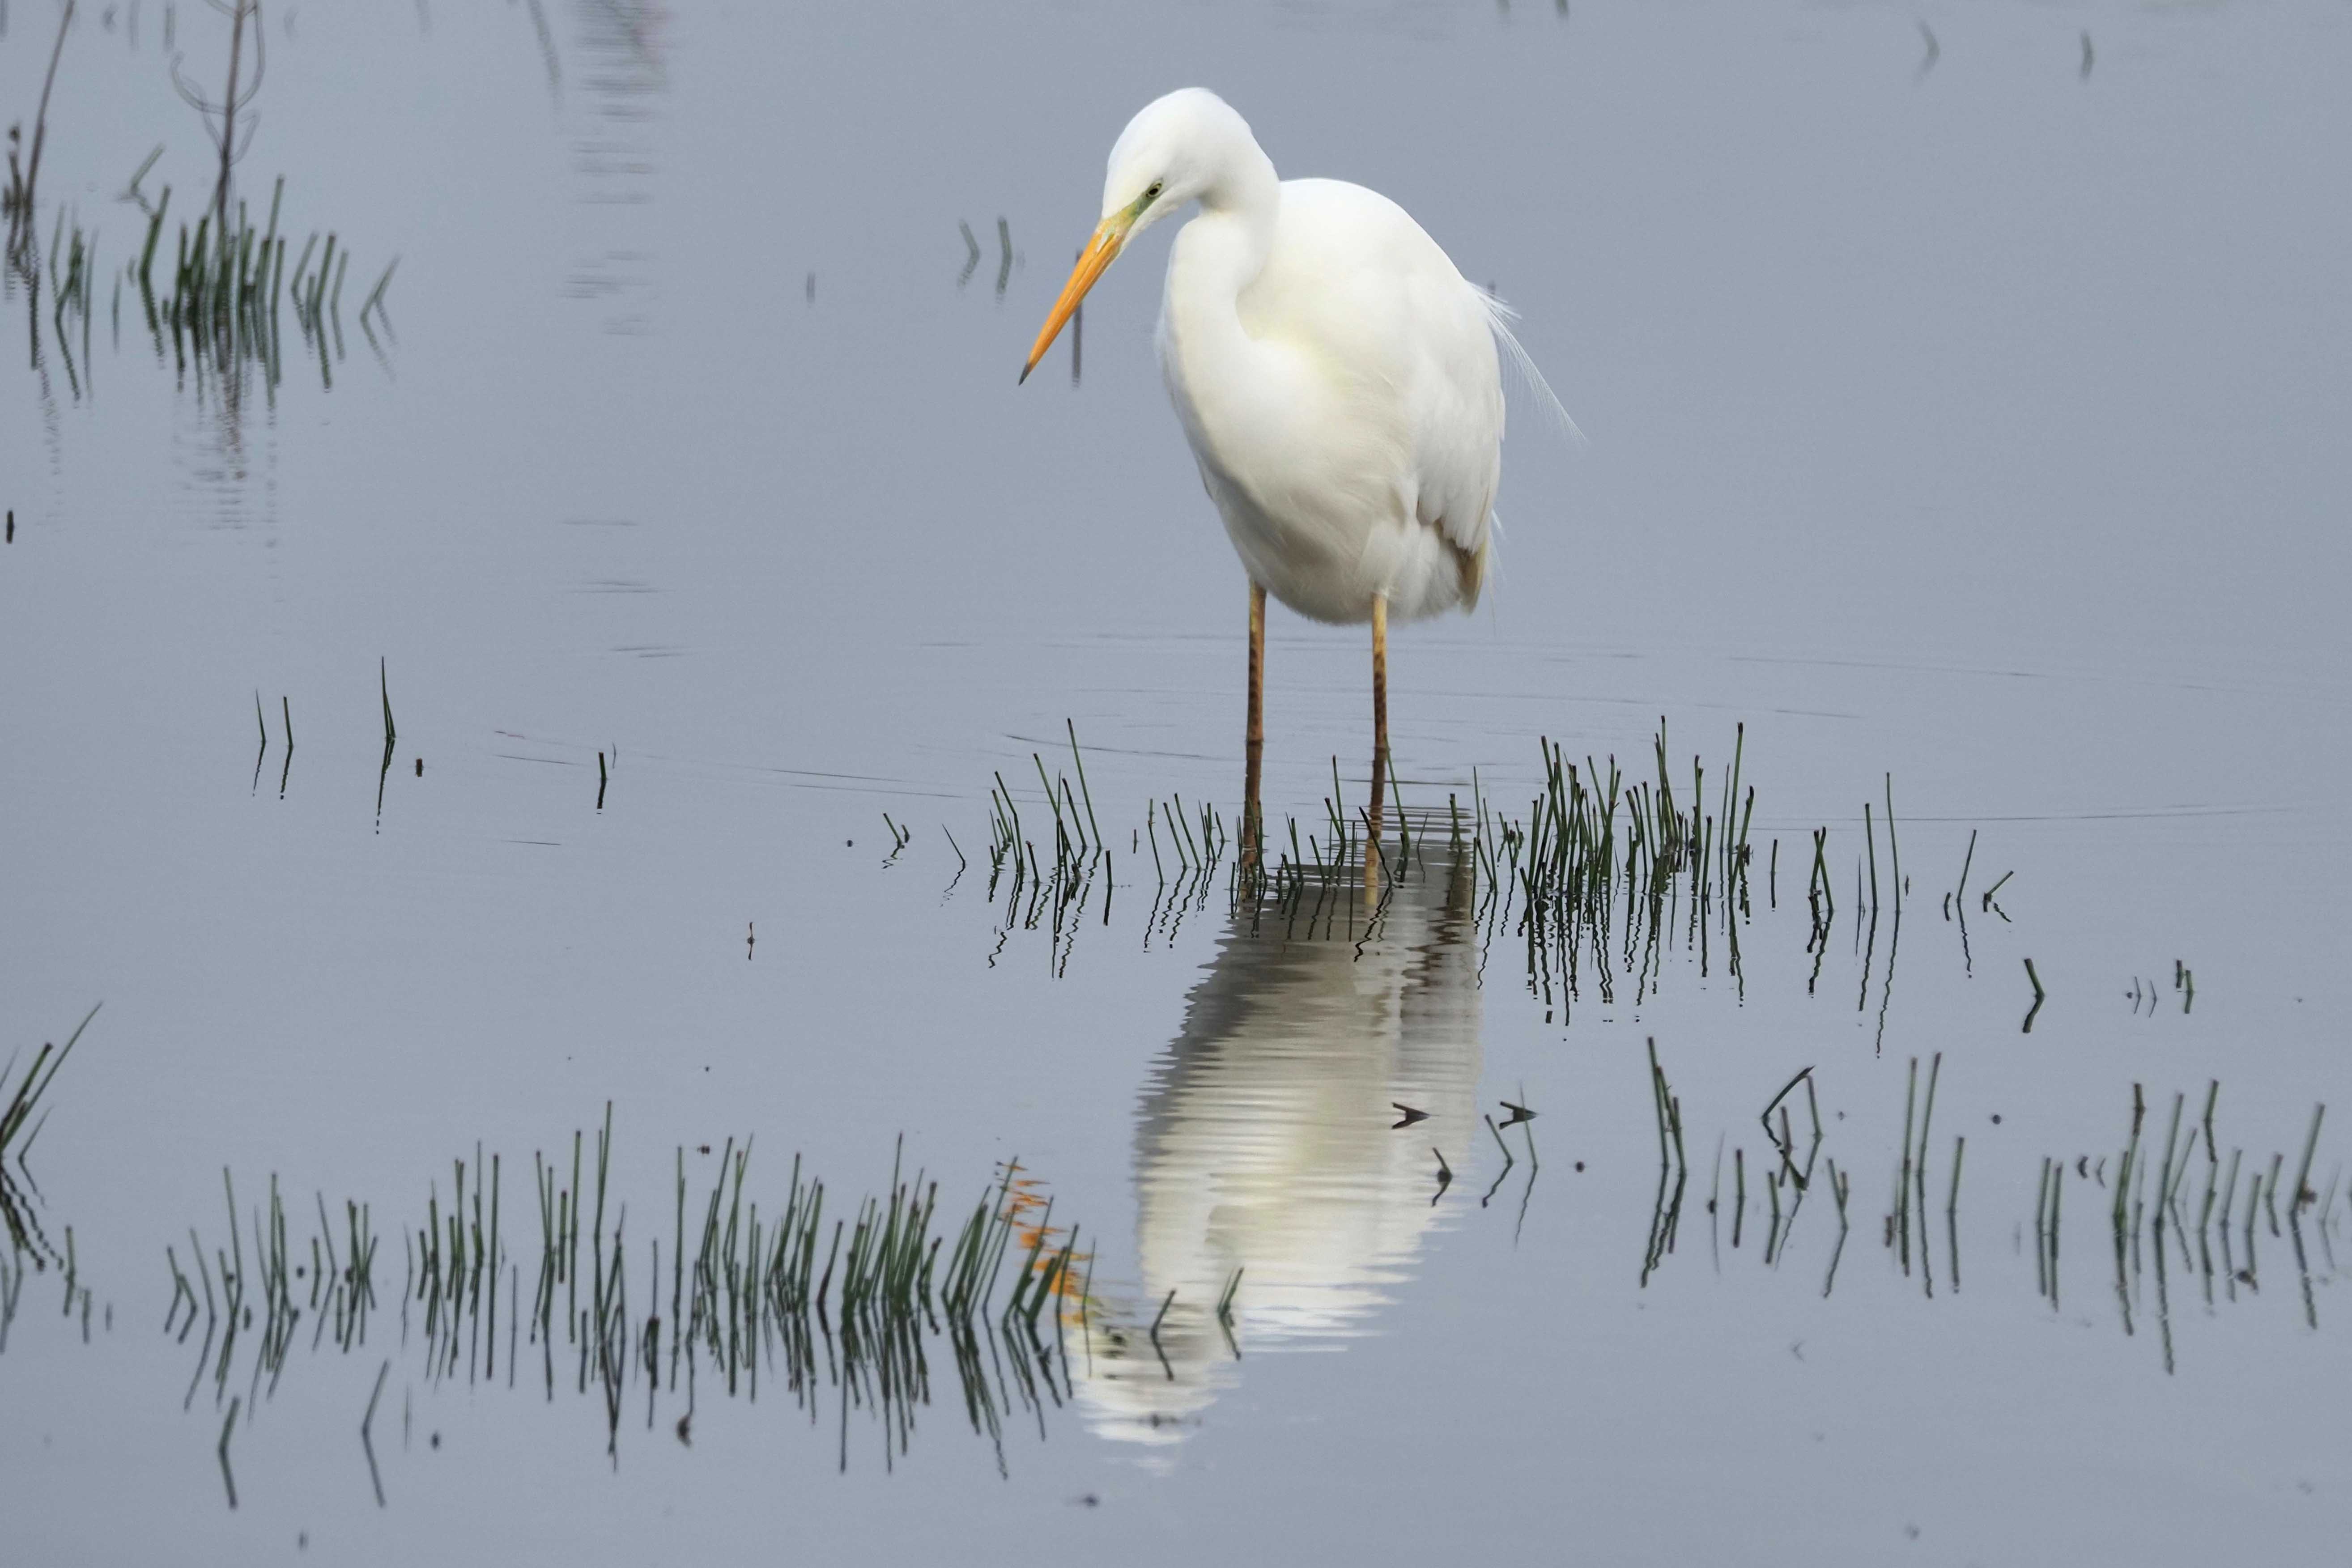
(848, 1308)
(29, 1249)
(17, 200)
(21, 1096)
(17, 1104)
(1602, 879)
(2158, 1228)
(850, 1304)
(214, 303)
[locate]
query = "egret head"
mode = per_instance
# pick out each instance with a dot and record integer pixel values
(1171, 153)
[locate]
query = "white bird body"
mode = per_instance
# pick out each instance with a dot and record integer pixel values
(1333, 370)
(1342, 397)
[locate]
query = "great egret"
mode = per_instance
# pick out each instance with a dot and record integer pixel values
(1337, 377)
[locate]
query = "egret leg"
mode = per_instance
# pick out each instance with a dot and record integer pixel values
(1254, 741)
(1379, 742)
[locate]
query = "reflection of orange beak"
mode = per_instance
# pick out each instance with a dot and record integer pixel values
(1099, 253)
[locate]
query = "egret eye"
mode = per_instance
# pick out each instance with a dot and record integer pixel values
(1151, 192)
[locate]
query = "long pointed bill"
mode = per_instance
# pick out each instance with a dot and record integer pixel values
(1099, 253)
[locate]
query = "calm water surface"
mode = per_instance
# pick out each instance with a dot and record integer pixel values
(1966, 414)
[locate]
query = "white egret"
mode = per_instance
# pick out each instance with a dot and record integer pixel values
(1337, 377)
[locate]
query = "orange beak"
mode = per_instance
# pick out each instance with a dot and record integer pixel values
(1099, 253)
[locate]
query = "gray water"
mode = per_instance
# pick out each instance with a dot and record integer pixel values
(1966, 414)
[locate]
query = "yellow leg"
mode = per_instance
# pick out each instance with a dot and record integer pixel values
(1379, 742)
(1253, 742)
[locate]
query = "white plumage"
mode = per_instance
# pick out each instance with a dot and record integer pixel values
(1337, 376)
(1334, 371)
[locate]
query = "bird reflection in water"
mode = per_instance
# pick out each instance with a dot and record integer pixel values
(1270, 1142)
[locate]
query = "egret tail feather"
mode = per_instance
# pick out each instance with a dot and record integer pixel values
(1499, 317)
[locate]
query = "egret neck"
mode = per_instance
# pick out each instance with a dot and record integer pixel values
(1217, 256)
